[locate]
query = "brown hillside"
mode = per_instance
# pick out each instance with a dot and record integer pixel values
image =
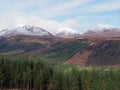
(79, 59)
(101, 52)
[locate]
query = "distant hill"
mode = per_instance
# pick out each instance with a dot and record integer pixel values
(103, 31)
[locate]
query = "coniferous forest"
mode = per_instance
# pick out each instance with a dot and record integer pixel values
(34, 74)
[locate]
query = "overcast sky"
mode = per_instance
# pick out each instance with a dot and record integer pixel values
(54, 14)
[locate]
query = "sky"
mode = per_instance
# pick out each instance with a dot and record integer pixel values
(52, 15)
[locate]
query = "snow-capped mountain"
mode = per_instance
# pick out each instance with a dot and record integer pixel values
(25, 30)
(102, 30)
(100, 27)
(66, 33)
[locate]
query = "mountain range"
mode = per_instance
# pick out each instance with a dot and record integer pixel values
(67, 46)
(99, 30)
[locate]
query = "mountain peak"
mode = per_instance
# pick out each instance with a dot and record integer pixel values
(102, 30)
(100, 27)
(24, 30)
(67, 33)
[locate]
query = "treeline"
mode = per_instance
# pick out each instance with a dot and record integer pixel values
(27, 74)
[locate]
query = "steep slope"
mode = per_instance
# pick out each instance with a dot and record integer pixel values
(79, 58)
(105, 53)
(67, 33)
(25, 30)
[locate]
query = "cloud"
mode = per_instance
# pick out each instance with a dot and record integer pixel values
(50, 25)
(51, 9)
(109, 6)
(61, 9)
(69, 5)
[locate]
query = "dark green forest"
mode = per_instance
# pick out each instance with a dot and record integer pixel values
(34, 74)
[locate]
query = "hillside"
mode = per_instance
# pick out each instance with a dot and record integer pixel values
(63, 51)
(54, 50)
(101, 52)
(104, 53)
(24, 45)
